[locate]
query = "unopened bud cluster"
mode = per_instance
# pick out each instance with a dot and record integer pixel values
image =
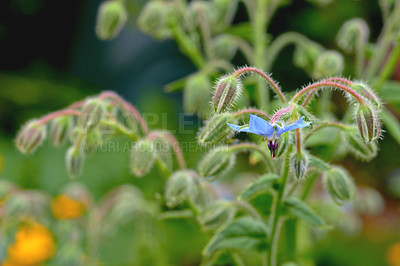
(111, 18)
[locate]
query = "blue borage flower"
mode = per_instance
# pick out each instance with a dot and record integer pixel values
(271, 132)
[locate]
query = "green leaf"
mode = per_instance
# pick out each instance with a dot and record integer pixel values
(181, 214)
(243, 233)
(392, 124)
(390, 92)
(300, 209)
(261, 185)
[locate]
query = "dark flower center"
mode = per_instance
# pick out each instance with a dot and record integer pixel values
(273, 146)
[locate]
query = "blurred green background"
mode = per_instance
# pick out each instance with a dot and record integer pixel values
(50, 57)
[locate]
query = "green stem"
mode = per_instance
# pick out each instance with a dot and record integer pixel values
(389, 66)
(120, 128)
(327, 124)
(187, 46)
(277, 210)
(259, 43)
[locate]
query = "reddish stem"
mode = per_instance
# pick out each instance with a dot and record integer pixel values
(129, 107)
(322, 84)
(53, 115)
(281, 112)
(251, 111)
(271, 82)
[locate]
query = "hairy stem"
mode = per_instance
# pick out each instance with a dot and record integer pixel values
(389, 67)
(251, 111)
(53, 115)
(277, 210)
(324, 84)
(281, 112)
(327, 124)
(270, 81)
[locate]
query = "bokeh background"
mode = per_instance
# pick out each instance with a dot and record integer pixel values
(50, 57)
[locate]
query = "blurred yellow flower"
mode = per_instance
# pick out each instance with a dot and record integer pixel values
(393, 254)
(33, 245)
(65, 207)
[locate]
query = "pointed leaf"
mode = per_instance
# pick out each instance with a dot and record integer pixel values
(299, 208)
(243, 233)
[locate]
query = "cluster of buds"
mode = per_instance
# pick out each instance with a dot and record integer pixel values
(111, 18)
(88, 124)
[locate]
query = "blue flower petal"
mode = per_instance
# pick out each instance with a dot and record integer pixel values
(239, 128)
(260, 127)
(298, 124)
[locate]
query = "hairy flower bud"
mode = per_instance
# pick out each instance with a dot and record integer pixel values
(367, 93)
(197, 94)
(339, 185)
(368, 123)
(299, 163)
(216, 162)
(357, 146)
(92, 112)
(142, 157)
(223, 47)
(163, 149)
(227, 91)
(215, 130)
(60, 129)
(353, 30)
(178, 188)
(216, 214)
(74, 159)
(305, 55)
(152, 20)
(328, 64)
(111, 18)
(30, 136)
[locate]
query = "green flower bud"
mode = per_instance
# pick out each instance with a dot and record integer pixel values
(152, 20)
(222, 13)
(216, 162)
(197, 94)
(163, 152)
(30, 137)
(339, 185)
(223, 47)
(351, 32)
(368, 123)
(226, 93)
(216, 214)
(367, 93)
(92, 140)
(364, 150)
(111, 18)
(60, 130)
(216, 130)
(178, 188)
(299, 164)
(92, 112)
(305, 55)
(328, 64)
(142, 157)
(74, 159)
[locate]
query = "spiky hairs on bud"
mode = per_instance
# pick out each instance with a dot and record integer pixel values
(74, 160)
(31, 136)
(367, 93)
(328, 64)
(142, 157)
(216, 162)
(351, 32)
(179, 187)
(366, 151)
(368, 122)
(216, 130)
(227, 91)
(299, 164)
(216, 214)
(197, 94)
(339, 185)
(92, 112)
(111, 18)
(60, 129)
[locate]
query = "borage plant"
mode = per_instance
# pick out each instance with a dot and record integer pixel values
(270, 205)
